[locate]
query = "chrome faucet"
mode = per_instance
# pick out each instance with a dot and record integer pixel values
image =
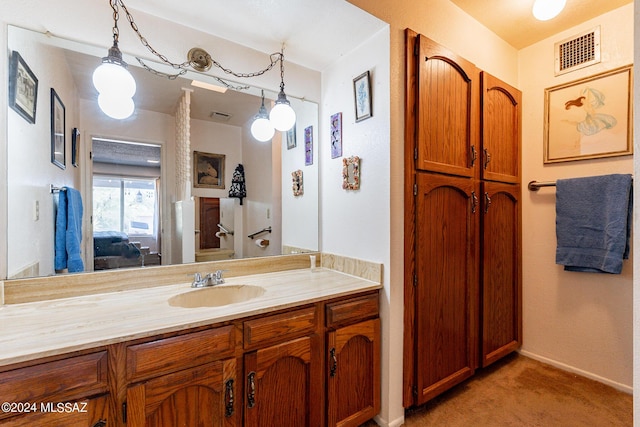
(210, 279)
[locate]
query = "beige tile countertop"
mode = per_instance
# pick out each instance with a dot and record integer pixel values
(33, 330)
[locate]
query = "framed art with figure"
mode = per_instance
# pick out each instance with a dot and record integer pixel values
(589, 118)
(208, 170)
(57, 131)
(23, 88)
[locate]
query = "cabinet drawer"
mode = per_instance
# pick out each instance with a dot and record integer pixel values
(279, 327)
(62, 379)
(352, 310)
(159, 357)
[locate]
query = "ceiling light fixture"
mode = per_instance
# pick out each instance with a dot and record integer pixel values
(282, 115)
(543, 10)
(118, 93)
(114, 83)
(262, 128)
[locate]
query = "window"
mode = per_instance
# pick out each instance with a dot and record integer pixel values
(128, 205)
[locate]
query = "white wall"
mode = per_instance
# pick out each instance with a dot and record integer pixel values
(579, 321)
(30, 170)
(356, 223)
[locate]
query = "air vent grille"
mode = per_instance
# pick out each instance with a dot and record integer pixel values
(220, 116)
(578, 51)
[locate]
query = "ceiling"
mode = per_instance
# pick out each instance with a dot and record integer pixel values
(521, 29)
(265, 25)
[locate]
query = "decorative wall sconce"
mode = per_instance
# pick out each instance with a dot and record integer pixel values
(117, 87)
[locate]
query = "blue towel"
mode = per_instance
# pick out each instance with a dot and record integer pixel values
(68, 235)
(593, 222)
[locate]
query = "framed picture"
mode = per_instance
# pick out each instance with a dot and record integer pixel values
(362, 96)
(23, 88)
(75, 147)
(589, 118)
(291, 138)
(57, 131)
(208, 170)
(308, 145)
(336, 135)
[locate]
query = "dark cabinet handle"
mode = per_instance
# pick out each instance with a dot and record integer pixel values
(487, 158)
(251, 387)
(474, 155)
(101, 423)
(474, 202)
(334, 362)
(487, 202)
(228, 398)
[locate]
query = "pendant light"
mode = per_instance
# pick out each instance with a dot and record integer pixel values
(261, 128)
(282, 115)
(114, 83)
(543, 10)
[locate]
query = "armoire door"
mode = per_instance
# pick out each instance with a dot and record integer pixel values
(501, 285)
(447, 117)
(446, 283)
(501, 135)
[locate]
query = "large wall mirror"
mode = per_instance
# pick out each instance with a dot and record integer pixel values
(134, 213)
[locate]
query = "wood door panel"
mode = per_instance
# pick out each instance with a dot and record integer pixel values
(501, 275)
(501, 121)
(447, 110)
(209, 220)
(169, 400)
(447, 282)
(283, 384)
(353, 373)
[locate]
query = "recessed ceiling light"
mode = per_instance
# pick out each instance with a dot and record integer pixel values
(543, 10)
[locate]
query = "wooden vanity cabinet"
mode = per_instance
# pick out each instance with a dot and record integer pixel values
(353, 361)
(310, 365)
(170, 377)
(67, 392)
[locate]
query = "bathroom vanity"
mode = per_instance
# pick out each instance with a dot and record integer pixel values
(304, 350)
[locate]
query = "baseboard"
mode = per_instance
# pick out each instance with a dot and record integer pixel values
(618, 386)
(395, 423)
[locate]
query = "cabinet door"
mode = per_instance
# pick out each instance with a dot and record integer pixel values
(284, 384)
(501, 135)
(447, 111)
(501, 272)
(446, 283)
(353, 374)
(169, 400)
(82, 413)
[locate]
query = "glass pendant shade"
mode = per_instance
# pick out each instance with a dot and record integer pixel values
(262, 129)
(114, 78)
(116, 107)
(543, 10)
(282, 115)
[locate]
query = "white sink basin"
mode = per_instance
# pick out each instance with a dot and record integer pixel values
(216, 296)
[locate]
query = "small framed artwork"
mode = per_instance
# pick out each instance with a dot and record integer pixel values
(208, 170)
(298, 183)
(336, 135)
(75, 147)
(308, 145)
(57, 131)
(589, 118)
(362, 96)
(351, 173)
(291, 138)
(23, 88)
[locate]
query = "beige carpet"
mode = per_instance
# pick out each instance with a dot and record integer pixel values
(519, 391)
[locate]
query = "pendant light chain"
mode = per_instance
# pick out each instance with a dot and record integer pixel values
(116, 16)
(273, 58)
